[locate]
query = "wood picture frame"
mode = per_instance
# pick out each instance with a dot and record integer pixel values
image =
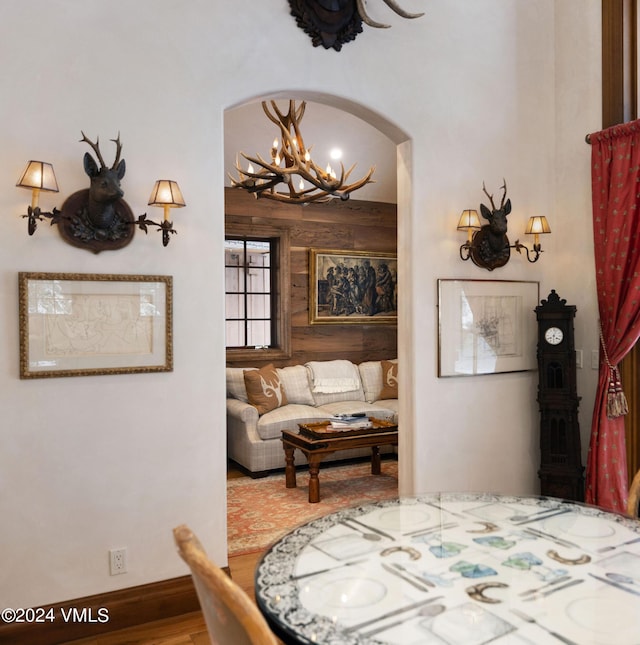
(352, 287)
(75, 324)
(486, 326)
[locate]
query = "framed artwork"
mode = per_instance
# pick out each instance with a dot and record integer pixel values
(352, 287)
(75, 324)
(486, 326)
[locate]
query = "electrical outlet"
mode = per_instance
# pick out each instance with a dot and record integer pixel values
(595, 359)
(579, 358)
(117, 561)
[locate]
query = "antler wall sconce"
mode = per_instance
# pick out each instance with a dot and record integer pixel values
(332, 23)
(292, 167)
(97, 218)
(488, 246)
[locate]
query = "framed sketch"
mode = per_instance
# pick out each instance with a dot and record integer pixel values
(352, 287)
(486, 326)
(75, 324)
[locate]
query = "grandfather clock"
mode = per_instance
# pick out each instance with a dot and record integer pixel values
(561, 471)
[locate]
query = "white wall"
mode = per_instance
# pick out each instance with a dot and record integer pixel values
(579, 99)
(469, 133)
(474, 91)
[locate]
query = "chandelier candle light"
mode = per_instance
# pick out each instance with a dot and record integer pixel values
(290, 158)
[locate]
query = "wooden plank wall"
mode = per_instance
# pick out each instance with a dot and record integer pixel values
(350, 225)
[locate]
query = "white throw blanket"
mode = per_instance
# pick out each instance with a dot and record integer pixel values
(334, 376)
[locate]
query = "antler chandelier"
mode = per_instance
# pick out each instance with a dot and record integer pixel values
(292, 168)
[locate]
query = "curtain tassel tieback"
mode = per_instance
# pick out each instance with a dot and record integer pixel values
(617, 405)
(616, 400)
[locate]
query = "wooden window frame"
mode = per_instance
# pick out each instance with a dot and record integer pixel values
(281, 265)
(619, 61)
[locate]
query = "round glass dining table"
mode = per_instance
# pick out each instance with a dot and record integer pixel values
(456, 569)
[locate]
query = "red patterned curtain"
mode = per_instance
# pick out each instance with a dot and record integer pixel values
(615, 182)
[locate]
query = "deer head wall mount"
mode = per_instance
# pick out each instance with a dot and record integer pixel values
(97, 218)
(332, 23)
(488, 246)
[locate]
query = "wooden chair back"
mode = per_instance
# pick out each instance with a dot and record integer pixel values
(231, 617)
(634, 496)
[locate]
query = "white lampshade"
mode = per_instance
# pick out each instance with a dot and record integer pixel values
(536, 225)
(469, 220)
(166, 193)
(39, 175)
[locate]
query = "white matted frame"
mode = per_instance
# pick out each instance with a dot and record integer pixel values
(80, 324)
(486, 326)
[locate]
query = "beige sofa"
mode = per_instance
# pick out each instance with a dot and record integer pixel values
(314, 391)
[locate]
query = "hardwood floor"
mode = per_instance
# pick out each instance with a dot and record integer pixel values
(183, 630)
(189, 629)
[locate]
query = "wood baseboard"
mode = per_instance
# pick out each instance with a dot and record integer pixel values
(86, 617)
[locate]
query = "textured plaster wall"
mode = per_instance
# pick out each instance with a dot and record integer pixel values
(475, 91)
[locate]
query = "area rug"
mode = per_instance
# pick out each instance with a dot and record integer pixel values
(259, 511)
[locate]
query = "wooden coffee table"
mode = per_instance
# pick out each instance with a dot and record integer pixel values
(317, 440)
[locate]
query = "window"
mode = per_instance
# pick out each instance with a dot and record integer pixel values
(249, 292)
(256, 293)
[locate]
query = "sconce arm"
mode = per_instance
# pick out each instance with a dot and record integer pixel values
(36, 215)
(165, 226)
(465, 251)
(537, 250)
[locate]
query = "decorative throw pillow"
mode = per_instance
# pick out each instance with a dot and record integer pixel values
(236, 389)
(264, 389)
(295, 381)
(389, 380)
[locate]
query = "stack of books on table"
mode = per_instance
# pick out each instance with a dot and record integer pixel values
(350, 422)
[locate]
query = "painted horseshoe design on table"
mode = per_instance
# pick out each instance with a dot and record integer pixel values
(414, 554)
(477, 591)
(583, 559)
(489, 527)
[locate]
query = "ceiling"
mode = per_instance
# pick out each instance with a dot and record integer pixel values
(247, 129)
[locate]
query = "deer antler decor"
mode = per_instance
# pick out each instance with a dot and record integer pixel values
(291, 165)
(97, 218)
(488, 247)
(332, 23)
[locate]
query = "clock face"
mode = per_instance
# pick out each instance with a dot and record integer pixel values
(553, 335)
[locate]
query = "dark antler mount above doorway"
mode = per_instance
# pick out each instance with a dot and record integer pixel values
(332, 23)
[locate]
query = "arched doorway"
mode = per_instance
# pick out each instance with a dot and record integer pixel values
(340, 116)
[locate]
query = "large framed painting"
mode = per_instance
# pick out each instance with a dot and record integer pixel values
(486, 326)
(75, 324)
(352, 287)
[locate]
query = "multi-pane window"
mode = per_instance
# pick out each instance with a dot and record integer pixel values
(250, 305)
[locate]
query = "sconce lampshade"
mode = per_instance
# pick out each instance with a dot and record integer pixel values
(537, 225)
(38, 175)
(469, 220)
(166, 193)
